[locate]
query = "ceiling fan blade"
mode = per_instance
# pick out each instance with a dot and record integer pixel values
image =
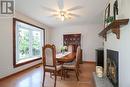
(61, 4)
(74, 8)
(53, 15)
(76, 15)
(49, 9)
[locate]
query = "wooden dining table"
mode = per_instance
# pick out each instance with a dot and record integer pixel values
(65, 57)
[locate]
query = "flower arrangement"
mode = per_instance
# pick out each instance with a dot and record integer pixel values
(63, 49)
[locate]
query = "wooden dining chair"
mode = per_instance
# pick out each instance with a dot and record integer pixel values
(75, 65)
(49, 61)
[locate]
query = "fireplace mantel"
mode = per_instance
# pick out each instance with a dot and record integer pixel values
(115, 27)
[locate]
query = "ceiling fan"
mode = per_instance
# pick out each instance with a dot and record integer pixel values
(62, 13)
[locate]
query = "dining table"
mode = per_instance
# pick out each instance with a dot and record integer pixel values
(64, 57)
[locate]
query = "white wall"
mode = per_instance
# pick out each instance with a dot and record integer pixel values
(89, 39)
(122, 45)
(6, 44)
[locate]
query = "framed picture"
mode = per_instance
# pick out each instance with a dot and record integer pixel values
(115, 9)
(107, 14)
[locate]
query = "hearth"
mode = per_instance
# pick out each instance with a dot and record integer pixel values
(112, 66)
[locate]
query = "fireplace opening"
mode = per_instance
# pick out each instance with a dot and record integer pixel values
(112, 66)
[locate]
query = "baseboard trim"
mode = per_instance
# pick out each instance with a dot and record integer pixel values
(93, 62)
(34, 66)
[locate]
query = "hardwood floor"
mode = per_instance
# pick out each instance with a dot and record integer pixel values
(33, 78)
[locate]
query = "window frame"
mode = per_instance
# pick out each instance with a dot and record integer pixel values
(14, 43)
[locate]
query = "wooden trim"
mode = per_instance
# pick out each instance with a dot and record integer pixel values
(23, 63)
(15, 19)
(115, 27)
(14, 43)
(89, 62)
(34, 66)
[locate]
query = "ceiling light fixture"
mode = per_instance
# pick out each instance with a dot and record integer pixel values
(63, 15)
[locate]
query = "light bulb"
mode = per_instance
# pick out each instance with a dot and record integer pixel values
(59, 15)
(66, 16)
(62, 18)
(62, 13)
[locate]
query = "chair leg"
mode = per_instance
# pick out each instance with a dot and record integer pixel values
(64, 73)
(55, 79)
(76, 72)
(43, 79)
(61, 73)
(79, 71)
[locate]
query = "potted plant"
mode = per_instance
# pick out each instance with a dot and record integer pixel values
(109, 19)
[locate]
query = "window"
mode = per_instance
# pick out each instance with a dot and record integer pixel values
(28, 40)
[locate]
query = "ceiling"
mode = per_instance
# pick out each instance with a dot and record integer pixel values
(91, 11)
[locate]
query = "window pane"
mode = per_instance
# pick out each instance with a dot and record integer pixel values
(36, 43)
(28, 42)
(23, 42)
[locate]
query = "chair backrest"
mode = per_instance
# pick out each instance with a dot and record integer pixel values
(70, 48)
(78, 53)
(49, 55)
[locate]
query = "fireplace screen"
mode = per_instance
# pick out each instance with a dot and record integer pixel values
(112, 67)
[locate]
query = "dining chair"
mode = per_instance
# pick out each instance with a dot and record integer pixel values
(49, 61)
(75, 65)
(70, 48)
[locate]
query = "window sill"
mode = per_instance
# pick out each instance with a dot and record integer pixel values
(23, 62)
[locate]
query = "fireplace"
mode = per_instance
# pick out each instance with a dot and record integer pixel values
(112, 67)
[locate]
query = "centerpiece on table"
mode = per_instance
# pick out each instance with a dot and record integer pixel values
(63, 49)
